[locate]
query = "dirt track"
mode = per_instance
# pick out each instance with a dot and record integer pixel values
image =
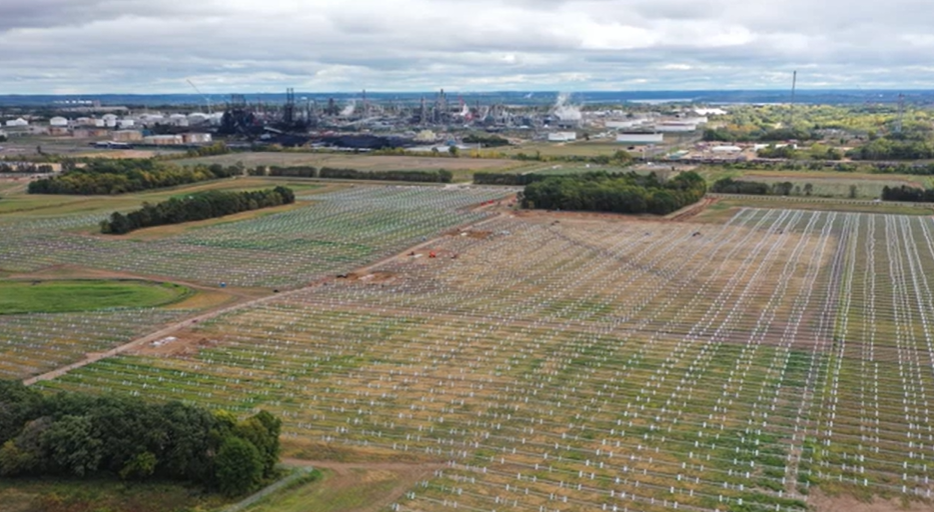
(346, 476)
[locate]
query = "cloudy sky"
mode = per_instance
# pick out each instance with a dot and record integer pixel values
(153, 46)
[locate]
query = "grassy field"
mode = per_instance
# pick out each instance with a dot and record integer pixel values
(462, 168)
(355, 489)
(17, 297)
(36, 495)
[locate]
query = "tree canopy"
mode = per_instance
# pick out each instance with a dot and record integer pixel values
(620, 193)
(204, 205)
(115, 176)
(83, 436)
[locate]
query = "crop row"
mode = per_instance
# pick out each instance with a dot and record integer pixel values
(619, 366)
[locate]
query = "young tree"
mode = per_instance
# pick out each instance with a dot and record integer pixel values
(239, 466)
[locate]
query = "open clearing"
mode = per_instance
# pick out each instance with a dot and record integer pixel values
(70, 296)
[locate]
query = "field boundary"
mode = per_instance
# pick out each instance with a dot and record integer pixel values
(254, 498)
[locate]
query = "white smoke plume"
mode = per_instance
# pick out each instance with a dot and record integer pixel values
(564, 110)
(349, 109)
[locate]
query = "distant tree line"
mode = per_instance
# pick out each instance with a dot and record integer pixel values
(218, 148)
(116, 176)
(772, 151)
(781, 134)
(83, 436)
(201, 206)
(438, 176)
(627, 193)
(887, 149)
(292, 172)
(25, 168)
(758, 188)
(490, 141)
(620, 157)
(908, 194)
(506, 178)
(516, 179)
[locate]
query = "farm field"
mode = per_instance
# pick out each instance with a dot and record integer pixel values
(825, 183)
(583, 148)
(331, 232)
(461, 167)
(573, 363)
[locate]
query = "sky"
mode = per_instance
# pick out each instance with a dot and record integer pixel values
(156, 46)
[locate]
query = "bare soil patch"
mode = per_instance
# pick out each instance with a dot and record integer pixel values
(548, 216)
(372, 277)
(470, 233)
(821, 502)
(689, 212)
(181, 344)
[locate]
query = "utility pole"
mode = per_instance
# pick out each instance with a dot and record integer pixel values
(899, 121)
(794, 86)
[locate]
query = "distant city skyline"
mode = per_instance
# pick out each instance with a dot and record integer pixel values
(76, 47)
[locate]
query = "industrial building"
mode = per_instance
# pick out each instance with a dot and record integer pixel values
(127, 136)
(624, 125)
(163, 140)
(562, 136)
(90, 133)
(726, 149)
(640, 138)
(197, 138)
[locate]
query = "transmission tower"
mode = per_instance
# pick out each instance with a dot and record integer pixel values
(899, 121)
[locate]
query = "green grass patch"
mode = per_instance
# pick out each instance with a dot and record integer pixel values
(316, 493)
(50, 495)
(18, 297)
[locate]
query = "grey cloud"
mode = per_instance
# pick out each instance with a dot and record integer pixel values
(148, 46)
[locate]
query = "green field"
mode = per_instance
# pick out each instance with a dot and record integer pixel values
(18, 297)
(47, 495)
(325, 491)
